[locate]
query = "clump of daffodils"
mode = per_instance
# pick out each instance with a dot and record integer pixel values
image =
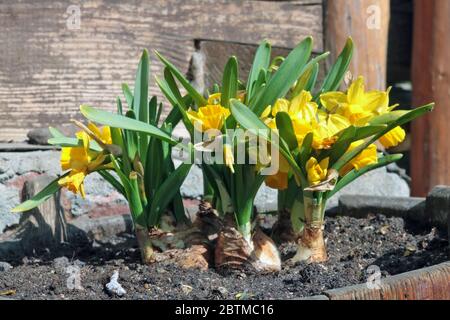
(317, 137)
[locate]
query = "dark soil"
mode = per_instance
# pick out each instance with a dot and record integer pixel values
(353, 245)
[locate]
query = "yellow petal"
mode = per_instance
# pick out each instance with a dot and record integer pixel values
(281, 105)
(356, 91)
(366, 157)
(277, 181)
(393, 137)
(209, 117)
(316, 171)
(214, 98)
(74, 182)
(333, 100)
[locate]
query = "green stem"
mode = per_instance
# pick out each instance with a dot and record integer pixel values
(298, 215)
(314, 210)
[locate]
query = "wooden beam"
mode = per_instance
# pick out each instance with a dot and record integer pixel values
(367, 22)
(47, 69)
(430, 151)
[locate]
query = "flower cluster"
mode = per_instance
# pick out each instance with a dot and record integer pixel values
(338, 111)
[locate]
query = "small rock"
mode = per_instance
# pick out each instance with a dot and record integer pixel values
(5, 266)
(114, 287)
(39, 136)
(223, 291)
(186, 289)
(384, 229)
(146, 286)
(61, 262)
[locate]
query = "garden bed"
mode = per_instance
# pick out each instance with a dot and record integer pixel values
(353, 245)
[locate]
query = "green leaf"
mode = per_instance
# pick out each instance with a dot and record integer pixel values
(159, 113)
(306, 149)
(286, 75)
(307, 80)
(342, 144)
(197, 97)
(387, 118)
(140, 101)
(40, 197)
(247, 119)
(119, 106)
(128, 95)
(131, 138)
(229, 82)
(337, 72)
(260, 63)
(170, 90)
(354, 174)
(367, 131)
(165, 193)
(118, 121)
(153, 110)
(284, 125)
(400, 121)
(154, 170)
(55, 132)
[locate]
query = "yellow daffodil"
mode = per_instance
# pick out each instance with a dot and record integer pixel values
(211, 116)
(317, 171)
(357, 105)
(81, 161)
(366, 157)
(327, 128)
(214, 98)
(74, 182)
(103, 133)
(228, 156)
(300, 107)
(393, 137)
(280, 179)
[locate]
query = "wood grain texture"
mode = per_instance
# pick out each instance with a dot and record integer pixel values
(431, 283)
(367, 22)
(217, 53)
(47, 70)
(430, 152)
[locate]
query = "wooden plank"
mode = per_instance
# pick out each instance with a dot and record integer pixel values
(217, 53)
(367, 22)
(47, 70)
(431, 283)
(430, 153)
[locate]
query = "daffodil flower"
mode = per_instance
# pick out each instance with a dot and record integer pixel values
(209, 117)
(366, 157)
(357, 105)
(317, 171)
(393, 137)
(81, 160)
(280, 179)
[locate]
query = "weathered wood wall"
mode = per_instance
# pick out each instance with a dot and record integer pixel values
(47, 69)
(430, 152)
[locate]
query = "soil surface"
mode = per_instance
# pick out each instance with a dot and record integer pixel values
(353, 245)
